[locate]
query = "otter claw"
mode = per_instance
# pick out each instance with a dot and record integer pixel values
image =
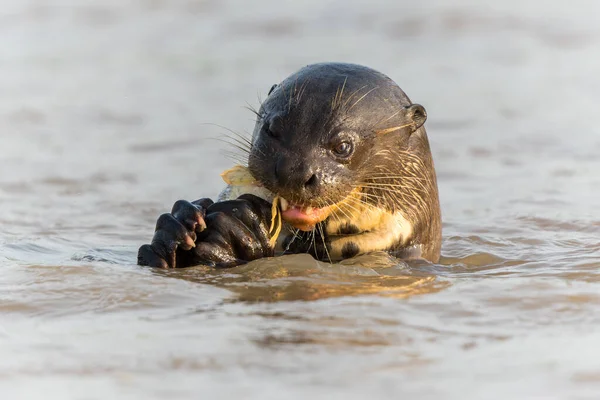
(190, 215)
(189, 243)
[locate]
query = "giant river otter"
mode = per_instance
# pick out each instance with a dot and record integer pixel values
(346, 154)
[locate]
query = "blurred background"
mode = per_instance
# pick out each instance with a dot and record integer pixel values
(108, 114)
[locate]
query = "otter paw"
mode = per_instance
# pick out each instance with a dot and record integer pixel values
(237, 231)
(174, 231)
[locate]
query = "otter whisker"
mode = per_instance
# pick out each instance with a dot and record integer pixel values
(343, 106)
(237, 161)
(239, 135)
(391, 116)
(237, 143)
(235, 150)
(338, 205)
(292, 91)
(360, 206)
(302, 90)
(235, 157)
(362, 97)
(407, 177)
(233, 140)
(379, 199)
(346, 213)
(253, 110)
(330, 202)
(410, 202)
(259, 98)
(392, 177)
(393, 129)
(394, 188)
(347, 204)
(322, 233)
(367, 194)
(235, 146)
(336, 216)
(240, 139)
(408, 197)
(390, 186)
(295, 235)
(361, 201)
(312, 241)
(338, 95)
(415, 184)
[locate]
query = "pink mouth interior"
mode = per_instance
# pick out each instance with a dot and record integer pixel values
(300, 219)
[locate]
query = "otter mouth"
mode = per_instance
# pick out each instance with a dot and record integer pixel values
(302, 217)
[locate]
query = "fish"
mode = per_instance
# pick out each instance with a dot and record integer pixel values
(240, 181)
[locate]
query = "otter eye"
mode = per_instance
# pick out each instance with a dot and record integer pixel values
(343, 149)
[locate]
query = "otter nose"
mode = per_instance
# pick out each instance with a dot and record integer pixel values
(296, 177)
(312, 182)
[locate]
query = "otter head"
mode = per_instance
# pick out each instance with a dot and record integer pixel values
(320, 133)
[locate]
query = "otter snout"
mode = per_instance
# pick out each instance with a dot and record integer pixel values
(298, 179)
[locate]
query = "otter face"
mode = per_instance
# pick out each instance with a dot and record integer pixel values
(310, 162)
(316, 134)
(309, 158)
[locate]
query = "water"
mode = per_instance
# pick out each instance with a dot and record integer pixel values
(106, 110)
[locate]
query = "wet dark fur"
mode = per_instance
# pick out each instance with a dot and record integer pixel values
(292, 154)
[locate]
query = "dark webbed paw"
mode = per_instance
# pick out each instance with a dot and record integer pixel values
(229, 233)
(175, 230)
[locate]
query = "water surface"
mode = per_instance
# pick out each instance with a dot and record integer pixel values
(107, 110)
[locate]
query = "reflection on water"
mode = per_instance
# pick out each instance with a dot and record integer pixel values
(106, 112)
(300, 277)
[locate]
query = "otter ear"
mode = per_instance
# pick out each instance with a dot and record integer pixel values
(416, 114)
(271, 90)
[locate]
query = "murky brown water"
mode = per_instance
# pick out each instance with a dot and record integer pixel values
(105, 113)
